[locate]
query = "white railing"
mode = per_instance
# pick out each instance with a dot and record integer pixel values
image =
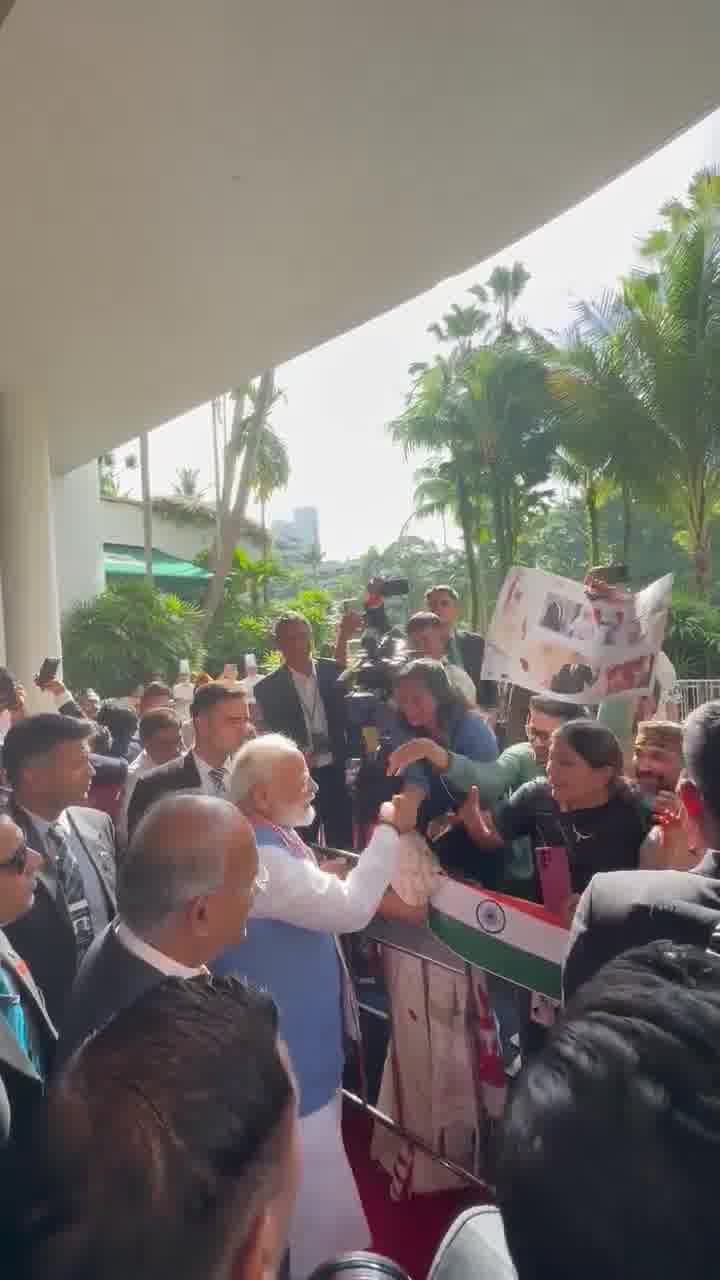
(690, 694)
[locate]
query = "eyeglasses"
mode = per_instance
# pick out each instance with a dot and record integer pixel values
(17, 860)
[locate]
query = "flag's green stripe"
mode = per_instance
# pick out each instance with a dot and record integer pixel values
(498, 957)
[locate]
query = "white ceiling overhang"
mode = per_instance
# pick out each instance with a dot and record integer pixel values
(192, 192)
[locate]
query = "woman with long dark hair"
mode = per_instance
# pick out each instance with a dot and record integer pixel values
(434, 725)
(584, 805)
(441, 1018)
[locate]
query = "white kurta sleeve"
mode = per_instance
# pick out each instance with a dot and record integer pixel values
(301, 893)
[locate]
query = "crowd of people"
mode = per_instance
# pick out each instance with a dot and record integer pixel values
(176, 1007)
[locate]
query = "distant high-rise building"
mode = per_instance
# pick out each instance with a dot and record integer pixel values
(300, 535)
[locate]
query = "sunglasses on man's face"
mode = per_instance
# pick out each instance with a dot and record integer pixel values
(17, 860)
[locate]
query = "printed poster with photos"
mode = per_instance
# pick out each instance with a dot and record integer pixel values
(548, 634)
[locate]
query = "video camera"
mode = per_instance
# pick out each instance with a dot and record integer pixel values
(370, 679)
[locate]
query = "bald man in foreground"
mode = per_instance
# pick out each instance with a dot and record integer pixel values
(186, 886)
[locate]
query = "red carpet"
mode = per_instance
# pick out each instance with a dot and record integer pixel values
(410, 1231)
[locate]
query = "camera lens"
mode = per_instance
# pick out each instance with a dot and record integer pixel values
(359, 1266)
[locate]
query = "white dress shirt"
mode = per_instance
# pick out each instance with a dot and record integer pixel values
(301, 893)
(313, 709)
(144, 951)
(207, 784)
(140, 765)
(42, 827)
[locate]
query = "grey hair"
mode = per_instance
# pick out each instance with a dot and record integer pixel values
(174, 856)
(255, 760)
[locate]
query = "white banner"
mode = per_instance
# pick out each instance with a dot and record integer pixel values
(548, 634)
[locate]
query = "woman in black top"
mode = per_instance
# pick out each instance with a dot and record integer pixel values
(584, 804)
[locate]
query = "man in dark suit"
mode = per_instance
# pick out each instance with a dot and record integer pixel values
(464, 649)
(27, 1036)
(48, 766)
(185, 889)
(304, 701)
(624, 909)
(221, 724)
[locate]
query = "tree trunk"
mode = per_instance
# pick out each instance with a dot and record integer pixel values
(499, 529)
(231, 524)
(627, 525)
(146, 505)
(702, 564)
(466, 525)
(592, 519)
(266, 552)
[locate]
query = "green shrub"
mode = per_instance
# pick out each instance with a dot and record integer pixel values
(234, 633)
(692, 641)
(128, 634)
(315, 605)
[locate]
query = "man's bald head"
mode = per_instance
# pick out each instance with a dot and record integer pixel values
(188, 849)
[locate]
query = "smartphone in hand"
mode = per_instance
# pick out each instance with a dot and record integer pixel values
(47, 673)
(554, 871)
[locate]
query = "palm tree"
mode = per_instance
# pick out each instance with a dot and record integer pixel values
(479, 412)
(432, 423)
(441, 488)
(460, 325)
(253, 404)
(272, 473)
(605, 433)
(670, 351)
(186, 484)
(506, 284)
(504, 406)
(702, 205)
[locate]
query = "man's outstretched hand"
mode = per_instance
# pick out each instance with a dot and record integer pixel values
(401, 812)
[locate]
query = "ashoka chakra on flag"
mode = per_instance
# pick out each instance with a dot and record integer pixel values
(512, 938)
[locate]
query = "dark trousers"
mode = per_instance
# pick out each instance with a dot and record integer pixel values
(333, 807)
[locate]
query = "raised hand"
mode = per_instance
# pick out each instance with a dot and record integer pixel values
(416, 749)
(479, 823)
(401, 811)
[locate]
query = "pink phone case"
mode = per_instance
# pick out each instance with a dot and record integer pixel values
(554, 871)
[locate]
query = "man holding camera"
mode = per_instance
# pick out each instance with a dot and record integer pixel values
(304, 701)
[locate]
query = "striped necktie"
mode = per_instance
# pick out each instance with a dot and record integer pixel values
(70, 882)
(219, 777)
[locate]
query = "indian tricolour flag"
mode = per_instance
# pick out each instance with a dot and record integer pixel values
(517, 940)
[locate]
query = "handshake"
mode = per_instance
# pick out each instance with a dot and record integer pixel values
(401, 812)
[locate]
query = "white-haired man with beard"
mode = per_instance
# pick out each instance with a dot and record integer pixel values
(291, 951)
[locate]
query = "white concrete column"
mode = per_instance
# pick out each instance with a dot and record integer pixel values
(27, 543)
(78, 536)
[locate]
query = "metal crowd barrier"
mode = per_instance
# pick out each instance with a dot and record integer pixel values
(416, 941)
(690, 694)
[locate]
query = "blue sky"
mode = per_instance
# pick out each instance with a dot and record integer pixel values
(340, 396)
